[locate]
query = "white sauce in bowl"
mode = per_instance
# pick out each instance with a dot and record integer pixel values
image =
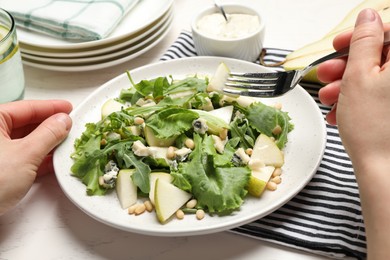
(237, 26)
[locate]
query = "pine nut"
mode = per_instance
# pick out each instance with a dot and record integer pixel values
(148, 205)
(140, 209)
(276, 179)
(272, 186)
(138, 120)
(278, 106)
(132, 208)
(191, 204)
(171, 152)
(179, 214)
(189, 143)
(277, 172)
(277, 130)
(200, 214)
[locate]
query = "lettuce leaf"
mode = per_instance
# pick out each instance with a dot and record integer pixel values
(88, 165)
(160, 87)
(265, 118)
(90, 158)
(217, 189)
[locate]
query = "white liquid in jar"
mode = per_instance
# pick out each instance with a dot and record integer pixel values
(237, 26)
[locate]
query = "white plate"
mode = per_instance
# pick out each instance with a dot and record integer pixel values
(302, 155)
(102, 48)
(144, 41)
(101, 64)
(145, 13)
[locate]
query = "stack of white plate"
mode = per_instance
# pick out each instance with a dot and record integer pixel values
(139, 31)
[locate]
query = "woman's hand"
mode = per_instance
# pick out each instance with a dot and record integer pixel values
(29, 131)
(359, 90)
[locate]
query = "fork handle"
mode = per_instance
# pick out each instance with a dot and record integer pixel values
(342, 53)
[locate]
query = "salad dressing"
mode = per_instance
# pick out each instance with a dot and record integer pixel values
(237, 26)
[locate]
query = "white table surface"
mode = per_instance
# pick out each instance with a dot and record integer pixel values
(46, 225)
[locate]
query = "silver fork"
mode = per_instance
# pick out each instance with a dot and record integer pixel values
(273, 84)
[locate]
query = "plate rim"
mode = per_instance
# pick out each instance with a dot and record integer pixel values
(81, 45)
(101, 49)
(100, 65)
(144, 41)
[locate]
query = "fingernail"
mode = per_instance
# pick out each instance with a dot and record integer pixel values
(64, 119)
(365, 16)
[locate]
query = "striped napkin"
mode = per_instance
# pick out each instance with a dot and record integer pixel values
(325, 217)
(81, 20)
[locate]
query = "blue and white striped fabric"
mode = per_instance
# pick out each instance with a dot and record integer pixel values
(325, 217)
(82, 20)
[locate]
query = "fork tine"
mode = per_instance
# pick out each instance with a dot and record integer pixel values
(266, 86)
(253, 80)
(264, 75)
(250, 92)
(261, 81)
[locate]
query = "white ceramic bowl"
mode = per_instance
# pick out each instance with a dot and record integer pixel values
(247, 47)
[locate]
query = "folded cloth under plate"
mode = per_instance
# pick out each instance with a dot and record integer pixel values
(325, 217)
(81, 20)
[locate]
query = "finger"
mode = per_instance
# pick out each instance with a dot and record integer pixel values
(331, 116)
(366, 43)
(329, 94)
(386, 53)
(25, 112)
(342, 40)
(48, 134)
(331, 70)
(23, 131)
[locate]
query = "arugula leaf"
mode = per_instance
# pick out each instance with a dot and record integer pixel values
(189, 83)
(141, 174)
(160, 87)
(240, 129)
(154, 87)
(171, 121)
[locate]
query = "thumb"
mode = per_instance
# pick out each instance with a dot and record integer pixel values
(49, 134)
(366, 42)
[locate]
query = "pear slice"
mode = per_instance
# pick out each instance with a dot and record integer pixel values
(168, 199)
(110, 106)
(381, 6)
(218, 80)
(153, 177)
(305, 55)
(153, 140)
(126, 190)
(224, 113)
(267, 151)
(259, 179)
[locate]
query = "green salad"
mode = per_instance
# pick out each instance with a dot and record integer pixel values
(171, 140)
